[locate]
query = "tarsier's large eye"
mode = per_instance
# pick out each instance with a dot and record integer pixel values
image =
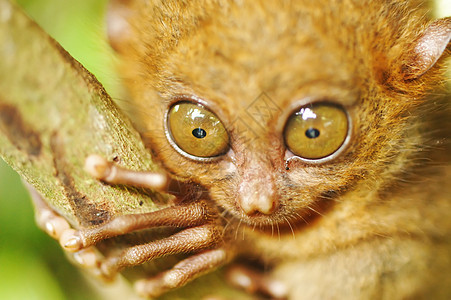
(316, 131)
(196, 130)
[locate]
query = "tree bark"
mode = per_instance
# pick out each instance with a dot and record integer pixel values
(53, 114)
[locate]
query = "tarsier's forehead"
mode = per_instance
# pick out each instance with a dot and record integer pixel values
(245, 48)
(291, 50)
(266, 21)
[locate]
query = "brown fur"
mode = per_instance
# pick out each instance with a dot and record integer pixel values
(372, 223)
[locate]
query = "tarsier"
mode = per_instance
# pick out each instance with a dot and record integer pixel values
(310, 136)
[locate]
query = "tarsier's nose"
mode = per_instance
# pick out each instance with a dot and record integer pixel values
(258, 203)
(257, 195)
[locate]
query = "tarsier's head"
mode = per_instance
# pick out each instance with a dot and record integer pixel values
(277, 107)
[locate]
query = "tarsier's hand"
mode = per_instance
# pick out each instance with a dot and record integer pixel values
(200, 234)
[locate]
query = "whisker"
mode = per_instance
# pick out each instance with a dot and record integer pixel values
(302, 218)
(314, 210)
(223, 214)
(272, 229)
(289, 224)
(237, 228)
(225, 228)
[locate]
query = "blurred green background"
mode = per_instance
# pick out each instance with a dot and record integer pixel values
(32, 266)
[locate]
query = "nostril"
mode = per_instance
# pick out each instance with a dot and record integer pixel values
(273, 207)
(267, 206)
(262, 205)
(247, 207)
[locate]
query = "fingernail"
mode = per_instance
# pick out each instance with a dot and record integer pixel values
(70, 240)
(72, 243)
(50, 229)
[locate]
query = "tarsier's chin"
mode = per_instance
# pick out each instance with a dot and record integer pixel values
(309, 116)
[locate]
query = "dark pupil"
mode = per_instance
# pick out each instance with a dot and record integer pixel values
(312, 133)
(199, 133)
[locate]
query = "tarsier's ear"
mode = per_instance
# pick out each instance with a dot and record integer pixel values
(118, 27)
(427, 49)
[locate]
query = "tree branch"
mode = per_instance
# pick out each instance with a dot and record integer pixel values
(53, 113)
